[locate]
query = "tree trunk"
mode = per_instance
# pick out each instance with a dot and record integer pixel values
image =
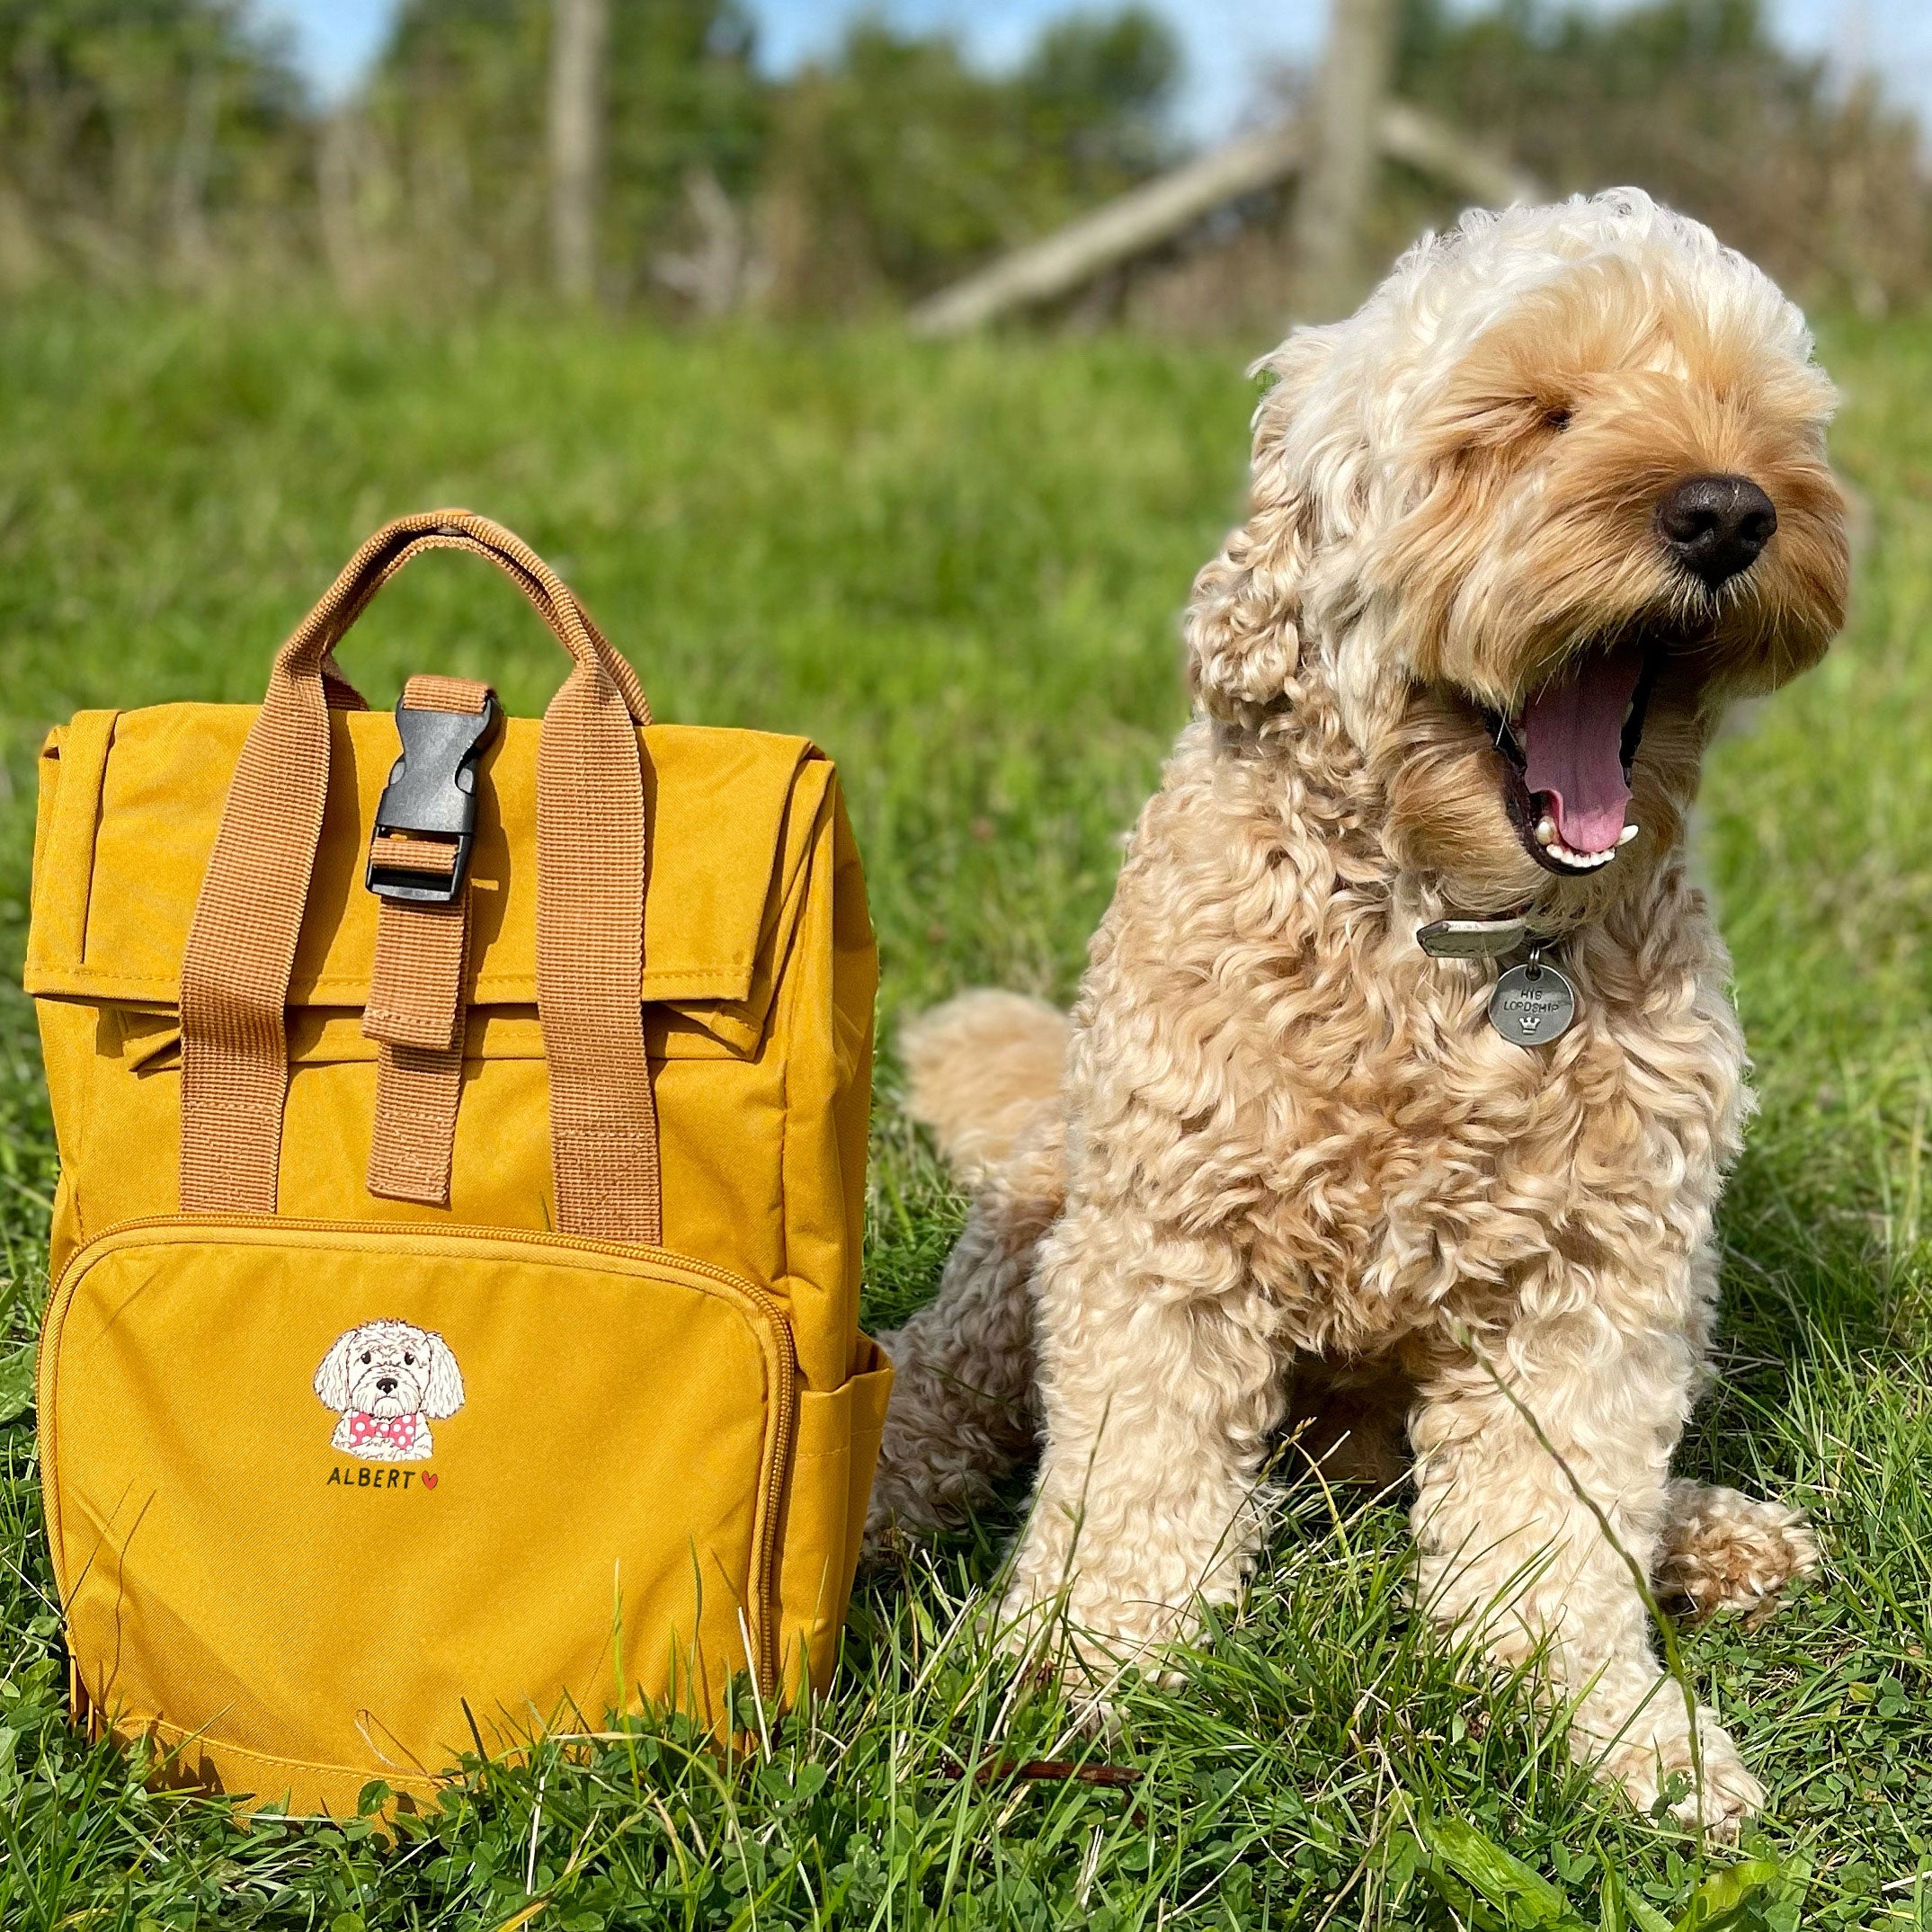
(187, 191)
(1345, 120)
(341, 157)
(580, 42)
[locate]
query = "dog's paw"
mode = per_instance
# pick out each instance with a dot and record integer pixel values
(1726, 1550)
(1089, 1646)
(1655, 1748)
(1047, 1660)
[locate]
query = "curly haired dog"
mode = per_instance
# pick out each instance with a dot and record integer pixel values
(388, 1380)
(1518, 530)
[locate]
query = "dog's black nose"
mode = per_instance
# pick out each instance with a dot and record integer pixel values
(1715, 526)
(385, 1385)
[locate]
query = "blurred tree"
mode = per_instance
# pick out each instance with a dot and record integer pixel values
(1095, 91)
(171, 138)
(1695, 101)
(580, 38)
(897, 165)
(137, 134)
(457, 110)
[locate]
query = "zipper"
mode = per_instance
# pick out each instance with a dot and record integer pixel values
(783, 1397)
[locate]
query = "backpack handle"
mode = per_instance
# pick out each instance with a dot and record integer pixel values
(311, 648)
(240, 954)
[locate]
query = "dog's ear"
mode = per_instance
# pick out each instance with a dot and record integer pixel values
(442, 1394)
(332, 1379)
(1244, 619)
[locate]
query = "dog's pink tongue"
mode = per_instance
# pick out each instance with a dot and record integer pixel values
(1573, 748)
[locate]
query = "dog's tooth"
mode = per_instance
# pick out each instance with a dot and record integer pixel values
(1546, 830)
(1580, 862)
(1628, 833)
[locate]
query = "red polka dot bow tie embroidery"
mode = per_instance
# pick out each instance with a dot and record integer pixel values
(400, 1431)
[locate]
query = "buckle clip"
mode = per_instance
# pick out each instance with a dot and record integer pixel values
(431, 794)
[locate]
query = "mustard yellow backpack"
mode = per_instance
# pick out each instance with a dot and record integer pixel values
(462, 1128)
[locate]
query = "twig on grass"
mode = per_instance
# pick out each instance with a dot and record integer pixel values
(1044, 1771)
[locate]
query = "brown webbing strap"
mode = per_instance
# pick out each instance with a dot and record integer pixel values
(412, 855)
(339, 692)
(415, 1011)
(590, 907)
(549, 595)
(590, 953)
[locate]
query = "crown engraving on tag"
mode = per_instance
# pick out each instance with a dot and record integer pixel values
(1533, 1004)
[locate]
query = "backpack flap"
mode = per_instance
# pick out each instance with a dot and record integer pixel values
(132, 802)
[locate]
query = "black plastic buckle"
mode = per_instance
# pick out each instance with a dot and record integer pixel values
(432, 793)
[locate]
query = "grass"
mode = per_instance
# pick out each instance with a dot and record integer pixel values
(959, 570)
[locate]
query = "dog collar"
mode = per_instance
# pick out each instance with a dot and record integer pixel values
(1531, 1004)
(1477, 939)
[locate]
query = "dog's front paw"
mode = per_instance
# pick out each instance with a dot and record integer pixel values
(1049, 1652)
(1655, 1748)
(1089, 1642)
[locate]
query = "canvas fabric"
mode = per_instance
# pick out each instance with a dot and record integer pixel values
(575, 1164)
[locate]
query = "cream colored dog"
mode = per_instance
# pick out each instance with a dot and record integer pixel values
(1519, 530)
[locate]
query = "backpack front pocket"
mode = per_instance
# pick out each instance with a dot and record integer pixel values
(330, 1503)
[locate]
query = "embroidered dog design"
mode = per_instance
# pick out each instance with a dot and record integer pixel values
(388, 1381)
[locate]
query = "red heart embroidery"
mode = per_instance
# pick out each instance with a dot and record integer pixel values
(429, 1482)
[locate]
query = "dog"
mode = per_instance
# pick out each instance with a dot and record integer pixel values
(1519, 530)
(388, 1380)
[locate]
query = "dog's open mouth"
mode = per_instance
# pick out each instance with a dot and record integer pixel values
(1570, 747)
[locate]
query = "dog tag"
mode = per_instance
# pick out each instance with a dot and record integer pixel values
(1533, 1004)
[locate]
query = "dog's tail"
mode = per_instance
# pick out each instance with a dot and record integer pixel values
(982, 1070)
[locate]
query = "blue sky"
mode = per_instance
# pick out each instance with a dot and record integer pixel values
(1229, 43)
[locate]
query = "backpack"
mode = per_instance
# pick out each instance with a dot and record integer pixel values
(462, 1126)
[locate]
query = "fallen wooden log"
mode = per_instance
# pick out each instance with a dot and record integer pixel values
(1058, 264)
(1140, 219)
